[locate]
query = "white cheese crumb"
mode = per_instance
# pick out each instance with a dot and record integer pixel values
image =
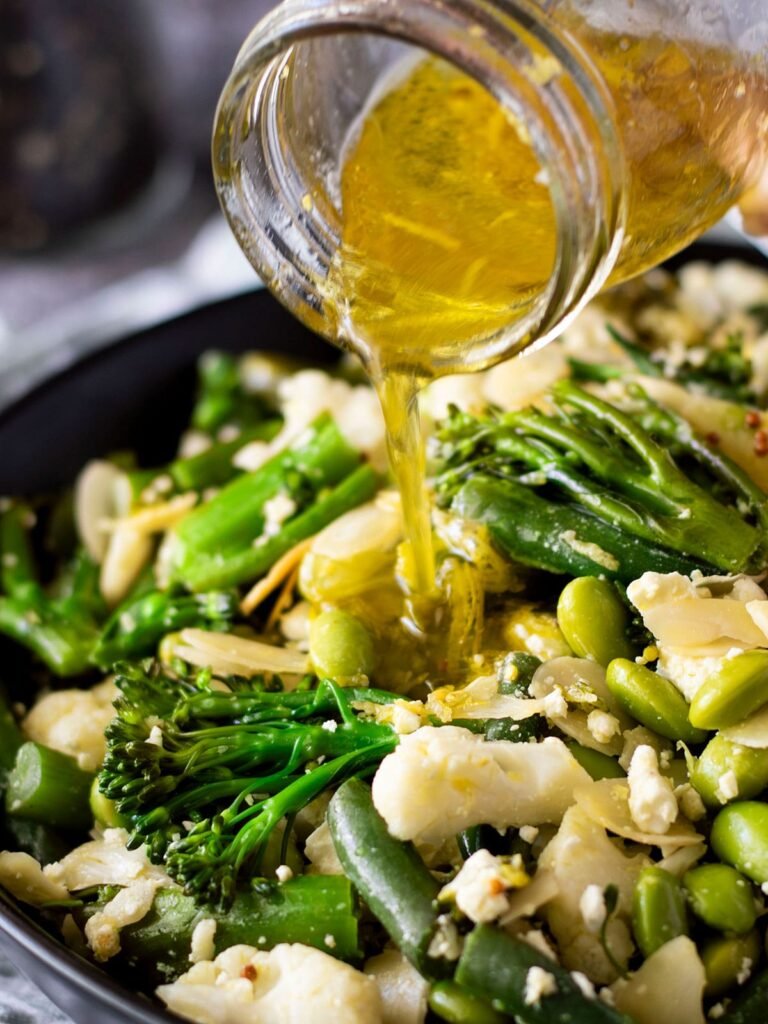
(538, 984)
(652, 802)
(744, 971)
(690, 802)
(446, 942)
(554, 704)
(404, 721)
(283, 873)
(717, 1011)
(589, 550)
(480, 888)
(330, 725)
(203, 945)
(528, 833)
(603, 726)
(584, 985)
(155, 736)
(276, 511)
(727, 787)
(538, 940)
(329, 941)
(592, 908)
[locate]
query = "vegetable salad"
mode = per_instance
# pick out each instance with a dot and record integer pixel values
(236, 774)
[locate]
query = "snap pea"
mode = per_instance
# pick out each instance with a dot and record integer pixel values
(721, 897)
(47, 786)
(732, 693)
(494, 966)
(740, 837)
(725, 960)
(340, 646)
(652, 700)
(720, 756)
(597, 764)
(389, 875)
(594, 620)
(658, 910)
(452, 1003)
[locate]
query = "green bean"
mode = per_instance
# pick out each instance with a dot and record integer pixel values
(389, 875)
(103, 809)
(721, 897)
(658, 910)
(595, 763)
(721, 756)
(732, 693)
(726, 959)
(214, 467)
(494, 966)
(740, 837)
(42, 842)
(17, 564)
(47, 786)
(453, 1003)
(594, 620)
(340, 646)
(748, 1006)
(516, 674)
(652, 700)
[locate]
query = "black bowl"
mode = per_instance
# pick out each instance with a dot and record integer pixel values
(138, 394)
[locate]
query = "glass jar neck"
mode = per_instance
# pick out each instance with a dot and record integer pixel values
(290, 229)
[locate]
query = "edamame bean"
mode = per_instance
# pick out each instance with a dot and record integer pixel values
(732, 693)
(721, 897)
(729, 960)
(453, 1003)
(597, 764)
(593, 620)
(340, 646)
(103, 809)
(717, 760)
(740, 837)
(651, 700)
(658, 910)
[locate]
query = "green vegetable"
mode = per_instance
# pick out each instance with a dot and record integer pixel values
(224, 543)
(138, 625)
(453, 1003)
(658, 910)
(592, 456)
(47, 845)
(340, 646)
(235, 763)
(594, 620)
(103, 809)
(10, 738)
(597, 764)
(47, 786)
(494, 967)
(214, 467)
(17, 565)
(389, 875)
(222, 400)
(651, 700)
(725, 959)
(740, 837)
(728, 696)
(307, 909)
(720, 756)
(748, 1005)
(721, 897)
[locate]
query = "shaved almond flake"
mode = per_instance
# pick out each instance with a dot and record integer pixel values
(607, 803)
(156, 518)
(237, 655)
(279, 572)
(284, 600)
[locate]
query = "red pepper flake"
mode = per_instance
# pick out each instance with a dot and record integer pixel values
(761, 443)
(496, 886)
(752, 420)
(249, 972)
(712, 438)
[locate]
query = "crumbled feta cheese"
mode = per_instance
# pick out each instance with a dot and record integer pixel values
(446, 942)
(480, 888)
(538, 984)
(652, 802)
(291, 982)
(745, 970)
(283, 873)
(717, 1011)
(203, 946)
(554, 704)
(690, 803)
(155, 736)
(727, 787)
(584, 985)
(538, 941)
(276, 511)
(441, 780)
(329, 941)
(592, 907)
(330, 725)
(528, 833)
(603, 726)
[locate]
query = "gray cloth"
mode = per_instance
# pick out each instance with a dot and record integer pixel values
(21, 1002)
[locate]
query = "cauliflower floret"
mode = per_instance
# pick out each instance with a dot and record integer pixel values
(105, 861)
(652, 801)
(579, 856)
(402, 989)
(440, 781)
(291, 984)
(130, 905)
(73, 722)
(23, 877)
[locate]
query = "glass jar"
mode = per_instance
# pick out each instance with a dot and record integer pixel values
(625, 104)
